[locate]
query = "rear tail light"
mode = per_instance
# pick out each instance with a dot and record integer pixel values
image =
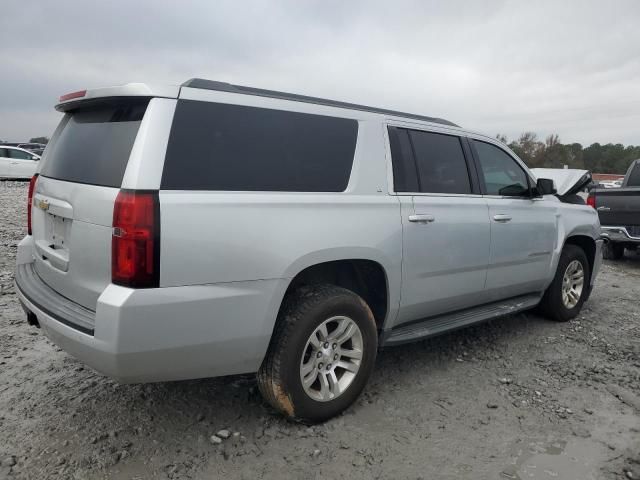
(135, 241)
(32, 188)
(591, 200)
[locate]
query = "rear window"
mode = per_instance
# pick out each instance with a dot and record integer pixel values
(225, 147)
(634, 177)
(95, 143)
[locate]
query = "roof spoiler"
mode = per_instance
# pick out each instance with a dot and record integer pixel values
(70, 101)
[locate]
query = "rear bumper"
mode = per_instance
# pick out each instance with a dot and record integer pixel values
(166, 333)
(619, 234)
(33, 290)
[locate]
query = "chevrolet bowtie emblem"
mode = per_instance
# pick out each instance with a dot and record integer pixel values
(42, 205)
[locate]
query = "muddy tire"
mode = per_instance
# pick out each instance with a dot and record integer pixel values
(321, 354)
(569, 289)
(612, 251)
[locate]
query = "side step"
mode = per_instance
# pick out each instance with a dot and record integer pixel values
(451, 321)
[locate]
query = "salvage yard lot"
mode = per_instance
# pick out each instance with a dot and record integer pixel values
(520, 397)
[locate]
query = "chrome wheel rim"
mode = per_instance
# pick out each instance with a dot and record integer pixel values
(331, 358)
(572, 284)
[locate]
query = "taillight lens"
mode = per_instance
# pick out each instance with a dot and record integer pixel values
(32, 188)
(135, 241)
(591, 200)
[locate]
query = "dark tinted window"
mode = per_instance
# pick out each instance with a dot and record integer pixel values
(4, 153)
(440, 163)
(216, 146)
(95, 144)
(634, 177)
(501, 173)
(405, 177)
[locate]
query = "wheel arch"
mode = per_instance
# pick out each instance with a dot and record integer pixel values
(366, 273)
(587, 244)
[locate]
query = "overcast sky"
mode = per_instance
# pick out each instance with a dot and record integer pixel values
(571, 68)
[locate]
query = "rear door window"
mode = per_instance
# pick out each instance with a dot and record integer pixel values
(440, 162)
(94, 145)
(4, 153)
(405, 176)
(501, 173)
(225, 147)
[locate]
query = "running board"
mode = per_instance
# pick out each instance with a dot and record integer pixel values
(451, 321)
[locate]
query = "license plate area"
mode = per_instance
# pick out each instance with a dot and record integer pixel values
(58, 230)
(53, 220)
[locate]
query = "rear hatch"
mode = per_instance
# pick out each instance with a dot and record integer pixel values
(80, 177)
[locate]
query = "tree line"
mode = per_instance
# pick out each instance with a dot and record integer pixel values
(551, 153)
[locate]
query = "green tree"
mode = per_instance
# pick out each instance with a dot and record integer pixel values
(552, 153)
(528, 148)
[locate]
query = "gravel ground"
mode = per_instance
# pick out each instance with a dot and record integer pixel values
(516, 398)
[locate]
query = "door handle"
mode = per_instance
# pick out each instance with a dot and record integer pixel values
(502, 217)
(603, 209)
(422, 218)
(14, 163)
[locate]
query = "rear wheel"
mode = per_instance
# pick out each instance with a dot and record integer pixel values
(568, 291)
(613, 251)
(321, 355)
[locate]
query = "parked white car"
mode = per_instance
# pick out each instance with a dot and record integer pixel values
(17, 162)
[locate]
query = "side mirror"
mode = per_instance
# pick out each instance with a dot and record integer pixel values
(35, 158)
(545, 186)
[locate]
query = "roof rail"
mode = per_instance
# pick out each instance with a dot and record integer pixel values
(227, 87)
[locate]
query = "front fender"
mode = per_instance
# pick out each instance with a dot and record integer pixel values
(576, 221)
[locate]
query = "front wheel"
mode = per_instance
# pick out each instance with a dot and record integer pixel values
(569, 289)
(321, 354)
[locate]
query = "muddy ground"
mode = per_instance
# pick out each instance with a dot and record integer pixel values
(517, 398)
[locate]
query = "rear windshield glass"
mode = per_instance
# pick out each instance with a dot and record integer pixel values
(634, 177)
(216, 146)
(95, 143)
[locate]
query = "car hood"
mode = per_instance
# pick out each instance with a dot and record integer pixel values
(567, 180)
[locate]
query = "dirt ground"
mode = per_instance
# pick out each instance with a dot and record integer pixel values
(517, 398)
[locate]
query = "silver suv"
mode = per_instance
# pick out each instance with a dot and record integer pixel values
(212, 229)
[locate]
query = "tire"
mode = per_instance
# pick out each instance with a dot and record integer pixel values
(302, 314)
(553, 305)
(613, 251)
